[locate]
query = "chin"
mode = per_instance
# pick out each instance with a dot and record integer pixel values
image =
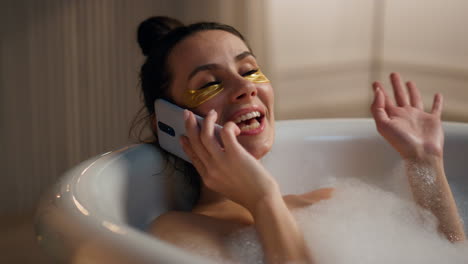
(258, 148)
(259, 145)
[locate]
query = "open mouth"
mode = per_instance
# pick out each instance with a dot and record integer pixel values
(250, 122)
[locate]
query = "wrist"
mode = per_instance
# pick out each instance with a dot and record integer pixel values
(268, 203)
(423, 152)
(425, 159)
(426, 176)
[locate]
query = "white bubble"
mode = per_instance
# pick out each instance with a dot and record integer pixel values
(362, 224)
(244, 246)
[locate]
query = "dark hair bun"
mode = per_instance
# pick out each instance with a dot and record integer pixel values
(153, 29)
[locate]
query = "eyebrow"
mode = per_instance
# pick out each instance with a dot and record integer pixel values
(243, 55)
(212, 66)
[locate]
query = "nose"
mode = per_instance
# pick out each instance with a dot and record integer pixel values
(243, 90)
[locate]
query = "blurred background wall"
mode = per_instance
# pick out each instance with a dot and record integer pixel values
(325, 54)
(69, 72)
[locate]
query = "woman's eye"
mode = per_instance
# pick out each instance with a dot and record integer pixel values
(209, 84)
(250, 73)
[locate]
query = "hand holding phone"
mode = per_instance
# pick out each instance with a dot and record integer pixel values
(171, 125)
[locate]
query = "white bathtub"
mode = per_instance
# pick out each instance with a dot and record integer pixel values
(98, 211)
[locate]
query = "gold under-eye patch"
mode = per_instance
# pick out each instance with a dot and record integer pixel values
(257, 77)
(194, 98)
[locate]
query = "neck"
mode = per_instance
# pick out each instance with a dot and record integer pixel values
(209, 197)
(218, 206)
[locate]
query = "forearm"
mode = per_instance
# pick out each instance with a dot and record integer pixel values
(431, 191)
(279, 234)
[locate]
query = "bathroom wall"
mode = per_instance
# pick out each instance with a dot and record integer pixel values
(325, 54)
(69, 87)
(428, 41)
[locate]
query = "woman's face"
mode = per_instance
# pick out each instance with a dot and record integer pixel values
(219, 57)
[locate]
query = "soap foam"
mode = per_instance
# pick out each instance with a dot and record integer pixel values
(362, 224)
(245, 246)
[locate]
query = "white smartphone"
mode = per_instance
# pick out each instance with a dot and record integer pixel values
(171, 126)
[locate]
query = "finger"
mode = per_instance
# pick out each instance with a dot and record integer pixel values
(437, 105)
(187, 147)
(378, 106)
(207, 134)
(414, 95)
(229, 135)
(401, 97)
(387, 100)
(193, 134)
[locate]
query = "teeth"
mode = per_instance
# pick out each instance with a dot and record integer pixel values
(247, 116)
(255, 124)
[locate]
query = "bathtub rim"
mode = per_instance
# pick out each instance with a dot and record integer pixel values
(150, 248)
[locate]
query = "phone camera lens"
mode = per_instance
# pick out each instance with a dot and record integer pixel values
(167, 129)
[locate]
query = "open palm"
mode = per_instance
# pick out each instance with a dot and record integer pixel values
(414, 133)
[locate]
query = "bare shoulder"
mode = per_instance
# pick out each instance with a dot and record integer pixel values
(294, 201)
(169, 224)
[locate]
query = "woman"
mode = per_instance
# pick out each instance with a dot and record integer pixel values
(209, 69)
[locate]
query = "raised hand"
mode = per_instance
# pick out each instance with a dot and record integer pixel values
(414, 133)
(419, 138)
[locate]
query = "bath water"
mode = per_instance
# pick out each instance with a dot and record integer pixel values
(365, 224)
